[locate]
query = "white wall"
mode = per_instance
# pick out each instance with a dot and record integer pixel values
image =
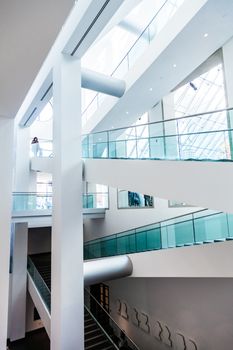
(204, 184)
(206, 260)
(200, 309)
(24, 179)
(117, 220)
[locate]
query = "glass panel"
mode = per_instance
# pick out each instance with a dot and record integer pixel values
(184, 233)
(154, 239)
(141, 241)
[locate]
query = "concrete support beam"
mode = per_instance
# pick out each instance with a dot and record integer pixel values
(67, 308)
(6, 160)
(19, 281)
(102, 83)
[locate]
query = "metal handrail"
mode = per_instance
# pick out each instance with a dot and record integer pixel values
(126, 55)
(155, 223)
(92, 296)
(102, 329)
(164, 121)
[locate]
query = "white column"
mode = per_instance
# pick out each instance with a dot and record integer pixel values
(67, 320)
(19, 281)
(6, 161)
(228, 69)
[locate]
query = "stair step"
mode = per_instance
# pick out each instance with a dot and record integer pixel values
(98, 345)
(92, 332)
(95, 338)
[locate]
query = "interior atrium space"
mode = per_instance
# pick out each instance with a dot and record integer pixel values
(116, 147)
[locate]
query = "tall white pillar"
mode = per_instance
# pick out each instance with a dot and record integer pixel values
(19, 281)
(67, 308)
(228, 69)
(6, 161)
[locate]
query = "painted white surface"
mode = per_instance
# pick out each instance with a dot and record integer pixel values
(24, 179)
(204, 184)
(6, 160)
(43, 164)
(40, 305)
(31, 324)
(180, 42)
(19, 282)
(198, 308)
(228, 68)
(117, 220)
(67, 228)
(75, 27)
(207, 260)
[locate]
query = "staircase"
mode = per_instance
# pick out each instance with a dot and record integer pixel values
(95, 337)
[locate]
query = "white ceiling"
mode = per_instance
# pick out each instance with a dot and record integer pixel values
(28, 28)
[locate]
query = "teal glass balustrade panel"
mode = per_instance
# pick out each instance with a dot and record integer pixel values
(40, 284)
(120, 149)
(211, 227)
(204, 226)
(109, 247)
(123, 245)
(31, 201)
(153, 239)
(184, 234)
(132, 243)
(157, 148)
(229, 218)
(141, 241)
(88, 201)
(171, 147)
(125, 242)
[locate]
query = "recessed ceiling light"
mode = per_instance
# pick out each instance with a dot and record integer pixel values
(127, 112)
(174, 65)
(206, 35)
(151, 89)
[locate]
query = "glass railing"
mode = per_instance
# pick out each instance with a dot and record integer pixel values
(40, 284)
(43, 201)
(114, 333)
(160, 19)
(25, 201)
(97, 200)
(200, 227)
(186, 138)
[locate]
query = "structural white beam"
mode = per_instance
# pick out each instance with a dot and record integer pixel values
(102, 83)
(86, 21)
(101, 270)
